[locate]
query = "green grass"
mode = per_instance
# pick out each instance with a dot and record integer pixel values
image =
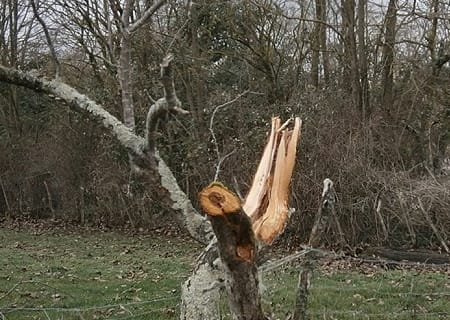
(394, 294)
(91, 276)
(95, 275)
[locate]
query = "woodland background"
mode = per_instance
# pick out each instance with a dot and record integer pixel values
(370, 79)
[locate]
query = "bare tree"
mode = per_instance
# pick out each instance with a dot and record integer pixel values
(351, 67)
(319, 44)
(362, 55)
(388, 53)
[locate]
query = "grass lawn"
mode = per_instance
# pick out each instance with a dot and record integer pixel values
(97, 275)
(394, 294)
(91, 275)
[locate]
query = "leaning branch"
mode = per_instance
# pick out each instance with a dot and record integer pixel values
(147, 14)
(80, 102)
(197, 225)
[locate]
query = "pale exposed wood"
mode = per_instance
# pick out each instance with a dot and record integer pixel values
(264, 213)
(217, 200)
(273, 221)
(261, 181)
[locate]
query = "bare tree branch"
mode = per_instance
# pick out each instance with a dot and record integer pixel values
(169, 103)
(213, 135)
(145, 16)
(133, 143)
(196, 224)
(48, 38)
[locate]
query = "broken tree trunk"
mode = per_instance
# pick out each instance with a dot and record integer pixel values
(263, 216)
(237, 249)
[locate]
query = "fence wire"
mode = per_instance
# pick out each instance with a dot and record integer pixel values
(413, 301)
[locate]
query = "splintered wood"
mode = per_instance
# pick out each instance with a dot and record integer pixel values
(264, 215)
(267, 201)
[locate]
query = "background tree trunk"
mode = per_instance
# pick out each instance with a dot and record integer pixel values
(362, 55)
(351, 70)
(388, 54)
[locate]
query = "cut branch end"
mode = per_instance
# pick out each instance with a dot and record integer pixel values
(217, 200)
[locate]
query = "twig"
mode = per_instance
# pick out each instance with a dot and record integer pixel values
(278, 263)
(177, 35)
(153, 101)
(237, 189)
(12, 289)
(4, 195)
(284, 125)
(213, 135)
(380, 217)
(46, 315)
(216, 176)
(48, 38)
(430, 222)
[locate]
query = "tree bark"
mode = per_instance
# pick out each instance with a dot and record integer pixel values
(351, 70)
(319, 45)
(237, 249)
(149, 162)
(321, 222)
(200, 294)
(301, 301)
(362, 55)
(315, 48)
(323, 41)
(263, 216)
(388, 54)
